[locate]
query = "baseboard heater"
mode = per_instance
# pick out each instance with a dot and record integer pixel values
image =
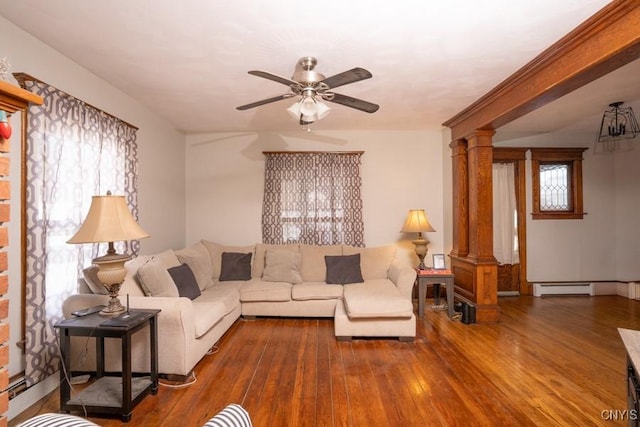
(542, 289)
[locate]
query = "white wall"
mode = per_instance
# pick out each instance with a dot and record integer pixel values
(626, 227)
(401, 170)
(161, 158)
(603, 245)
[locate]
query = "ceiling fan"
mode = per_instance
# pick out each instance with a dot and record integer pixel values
(314, 87)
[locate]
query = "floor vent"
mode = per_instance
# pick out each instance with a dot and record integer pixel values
(542, 289)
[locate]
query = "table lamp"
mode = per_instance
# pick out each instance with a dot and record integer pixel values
(417, 222)
(109, 220)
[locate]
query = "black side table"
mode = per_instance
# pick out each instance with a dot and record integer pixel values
(104, 396)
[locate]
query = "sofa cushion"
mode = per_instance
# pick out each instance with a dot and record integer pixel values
(315, 290)
(197, 256)
(228, 293)
(282, 266)
(259, 290)
(131, 286)
(343, 269)
(235, 266)
(206, 315)
(90, 275)
(259, 259)
(185, 281)
(375, 298)
(155, 280)
(168, 258)
(374, 262)
(313, 266)
(216, 250)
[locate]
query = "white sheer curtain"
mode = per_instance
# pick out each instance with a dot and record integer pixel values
(74, 151)
(505, 218)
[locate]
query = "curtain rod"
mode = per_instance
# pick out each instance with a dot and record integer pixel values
(313, 152)
(22, 78)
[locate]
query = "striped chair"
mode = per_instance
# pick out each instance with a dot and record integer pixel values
(56, 420)
(233, 415)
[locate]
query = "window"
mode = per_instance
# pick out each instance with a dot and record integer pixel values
(73, 151)
(557, 183)
(312, 198)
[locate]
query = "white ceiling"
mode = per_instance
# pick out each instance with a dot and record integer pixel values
(188, 60)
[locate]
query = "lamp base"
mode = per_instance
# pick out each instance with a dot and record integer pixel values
(111, 273)
(114, 306)
(421, 250)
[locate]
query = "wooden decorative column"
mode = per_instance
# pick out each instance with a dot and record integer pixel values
(460, 198)
(472, 260)
(12, 99)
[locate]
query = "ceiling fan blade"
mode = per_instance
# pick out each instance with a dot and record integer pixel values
(349, 101)
(351, 76)
(265, 101)
(269, 76)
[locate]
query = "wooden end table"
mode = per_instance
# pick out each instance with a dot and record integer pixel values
(434, 277)
(112, 399)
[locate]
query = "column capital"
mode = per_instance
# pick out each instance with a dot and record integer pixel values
(480, 138)
(458, 147)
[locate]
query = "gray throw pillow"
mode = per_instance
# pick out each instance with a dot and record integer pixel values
(185, 281)
(235, 266)
(343, 269)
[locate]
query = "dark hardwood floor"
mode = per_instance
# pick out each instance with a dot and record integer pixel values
(549, 361)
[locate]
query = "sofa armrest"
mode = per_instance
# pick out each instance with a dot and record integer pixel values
(403, 276)
(81, 301)
(174, 320)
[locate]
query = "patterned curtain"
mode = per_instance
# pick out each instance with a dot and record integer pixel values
(312, 198)
(74, 151)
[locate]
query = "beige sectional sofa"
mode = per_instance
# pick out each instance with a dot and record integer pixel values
(366, 290)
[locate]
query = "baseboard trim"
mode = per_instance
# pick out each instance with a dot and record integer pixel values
(508, 293)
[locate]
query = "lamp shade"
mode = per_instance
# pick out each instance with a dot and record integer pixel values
(108, 220)
(416, 222)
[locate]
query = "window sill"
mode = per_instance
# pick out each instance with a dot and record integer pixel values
(557, 215)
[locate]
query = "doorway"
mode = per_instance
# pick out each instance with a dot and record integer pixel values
(512, 275)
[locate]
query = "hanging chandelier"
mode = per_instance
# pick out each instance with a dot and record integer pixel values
(618, 123)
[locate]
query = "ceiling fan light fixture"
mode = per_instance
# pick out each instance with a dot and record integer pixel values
(294, 110)
(308, 106)
(322, 109)
(308, 109)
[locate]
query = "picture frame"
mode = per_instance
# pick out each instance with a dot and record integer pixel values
(439, 262)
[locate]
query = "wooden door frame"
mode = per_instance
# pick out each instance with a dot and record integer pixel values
(517, 156)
